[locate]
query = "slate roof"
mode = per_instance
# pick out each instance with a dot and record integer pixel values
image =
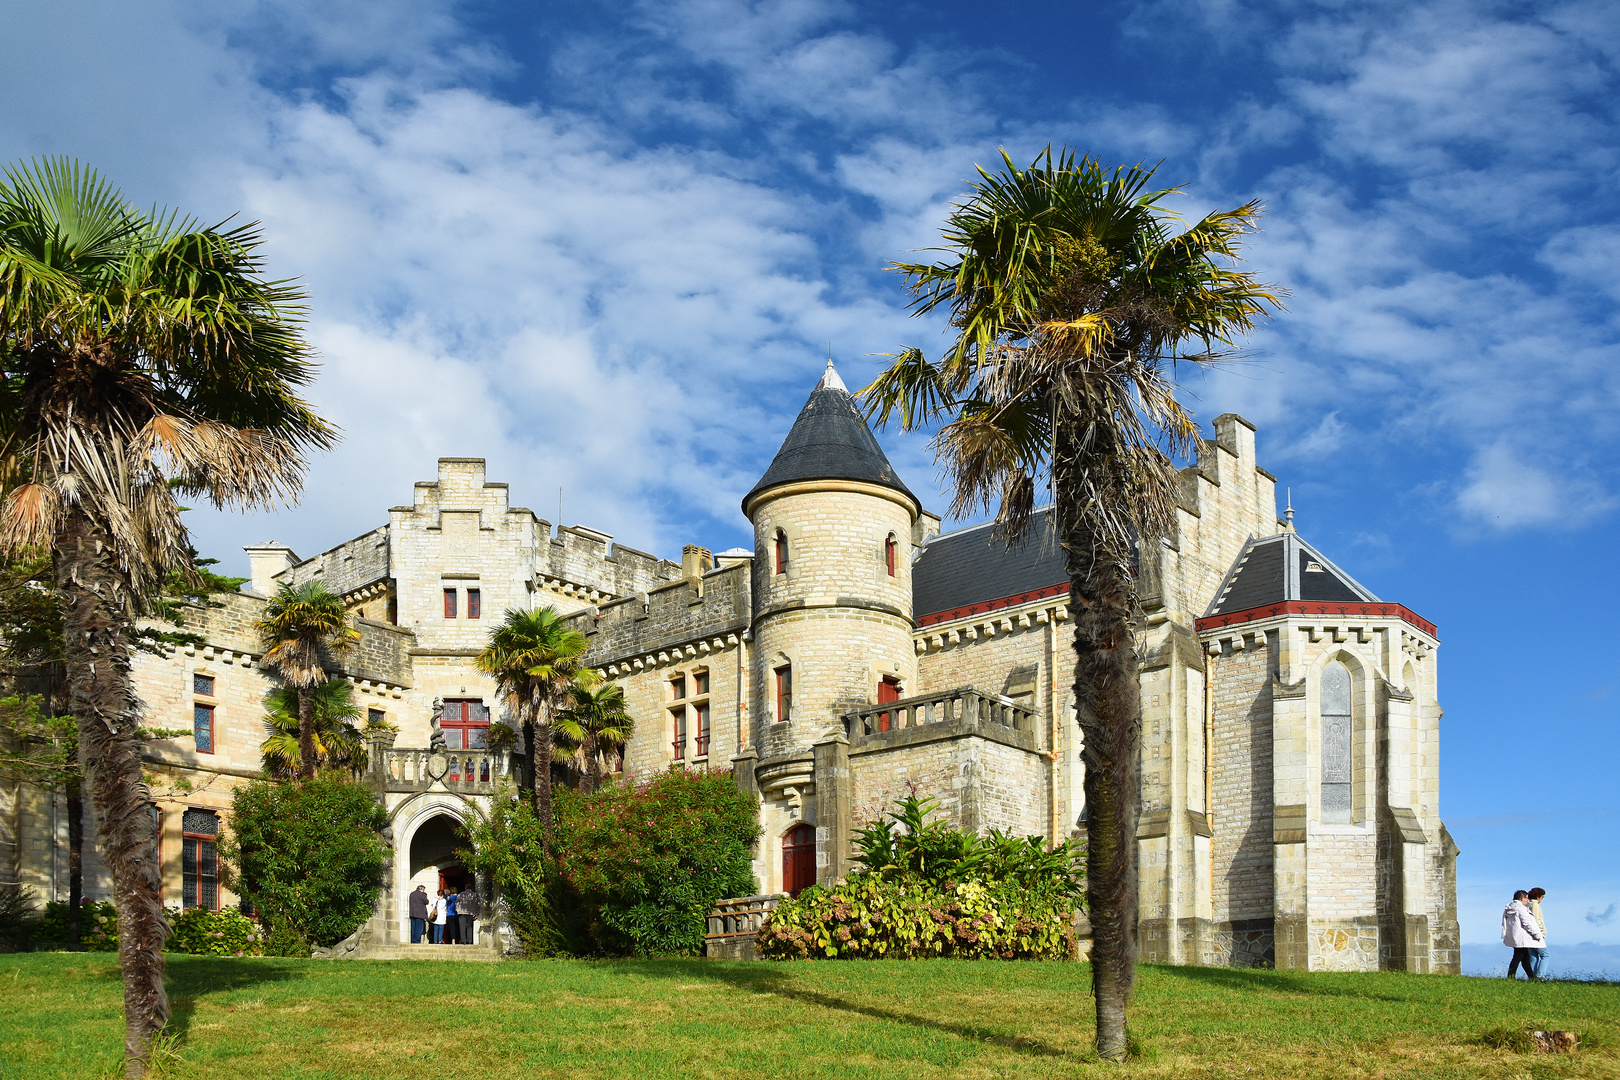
(830, 441)
(1283, 567)
(969, 567)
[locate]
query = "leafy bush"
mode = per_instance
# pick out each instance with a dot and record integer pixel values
(926, 888)
(98, 926)
(632, 870)
(308, 856)
(214, 933)
(909, 845)
(17, 916)
(283, 940)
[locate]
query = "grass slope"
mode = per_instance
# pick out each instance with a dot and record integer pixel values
(691, 1018)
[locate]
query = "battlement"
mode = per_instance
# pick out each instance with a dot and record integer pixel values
(588, 559)
(351, 565)
(717, 603)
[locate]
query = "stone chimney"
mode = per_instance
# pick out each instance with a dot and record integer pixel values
(695, 562)
(265, 561)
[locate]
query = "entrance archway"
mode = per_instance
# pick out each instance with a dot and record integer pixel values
(435, 859)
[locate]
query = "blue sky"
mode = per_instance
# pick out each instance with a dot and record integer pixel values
(607, 245)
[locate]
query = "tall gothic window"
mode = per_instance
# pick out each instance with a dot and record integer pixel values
(1336, 728)
(199, 859)
(781, 552)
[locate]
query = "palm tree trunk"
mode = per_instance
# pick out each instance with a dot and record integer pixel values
(593, 764)
(542, 777)
(1109, 706)
(95, 597)
(528, 764)
(75, 815)
(306, 733)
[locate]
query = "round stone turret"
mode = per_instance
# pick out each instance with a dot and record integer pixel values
(833, 528)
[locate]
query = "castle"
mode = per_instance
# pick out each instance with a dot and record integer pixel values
(1290, 793)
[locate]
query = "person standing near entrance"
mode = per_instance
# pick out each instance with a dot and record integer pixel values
(419, 914)
(439, 917)
(467, 911)
(1521, 934)
(1538, 955)
(452, 925)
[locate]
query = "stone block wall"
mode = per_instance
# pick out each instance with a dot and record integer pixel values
(1243, 783)
(672, 615)
(347, 567)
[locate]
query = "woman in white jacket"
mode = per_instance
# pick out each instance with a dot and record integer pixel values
(1521, 934)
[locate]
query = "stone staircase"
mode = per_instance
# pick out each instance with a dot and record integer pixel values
(480, 953)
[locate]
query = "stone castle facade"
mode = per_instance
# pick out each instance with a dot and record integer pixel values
(1290, 800)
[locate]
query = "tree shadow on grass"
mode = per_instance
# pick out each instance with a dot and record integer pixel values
(1311, 983)
(196, 977)
(766, 978)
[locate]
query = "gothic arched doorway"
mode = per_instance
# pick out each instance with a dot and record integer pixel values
(435, 859)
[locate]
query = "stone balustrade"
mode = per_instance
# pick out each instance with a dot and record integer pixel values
(947, 713)
(734, 924)
(409, 769)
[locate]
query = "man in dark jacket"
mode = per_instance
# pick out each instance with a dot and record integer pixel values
(419, 913)
(467, 911)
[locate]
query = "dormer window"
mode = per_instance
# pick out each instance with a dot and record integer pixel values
(781, 552)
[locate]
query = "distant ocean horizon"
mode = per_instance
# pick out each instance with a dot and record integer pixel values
(1582, 959)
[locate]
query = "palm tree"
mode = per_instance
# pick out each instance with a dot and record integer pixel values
(339, 741)
(144, 357)
(534, 658)
(596, 720)
(1072, 294)
(304, 626)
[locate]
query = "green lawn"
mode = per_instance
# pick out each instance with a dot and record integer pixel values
(690, 1018)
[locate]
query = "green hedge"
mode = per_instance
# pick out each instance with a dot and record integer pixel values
(98, 926)
(866, 917)
(214, 933)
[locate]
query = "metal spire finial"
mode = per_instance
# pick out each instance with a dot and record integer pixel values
(1289, 513)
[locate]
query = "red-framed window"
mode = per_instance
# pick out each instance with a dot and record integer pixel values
(677, 688)
(202, 727)
(781, 552)
(888, 690)
(449, 603)
(784, 693)
(700, 683)
(890, 549)
(677, 727)
(700, 721)
(475, 603)
(798, 859)
(202, 684)
(465, 722)
(199, 859)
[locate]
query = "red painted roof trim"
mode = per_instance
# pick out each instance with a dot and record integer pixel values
(986, 606)
(1317, 607)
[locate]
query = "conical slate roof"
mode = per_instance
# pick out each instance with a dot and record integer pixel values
(829, 441)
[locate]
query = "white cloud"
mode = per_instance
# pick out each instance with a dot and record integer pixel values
(1504, 490)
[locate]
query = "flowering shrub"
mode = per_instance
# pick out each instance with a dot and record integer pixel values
(632, 869)
(866, 916)
(927, 888)
(98, 926)
(214, 933)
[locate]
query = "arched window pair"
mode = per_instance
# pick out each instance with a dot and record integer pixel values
(1337, 744)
